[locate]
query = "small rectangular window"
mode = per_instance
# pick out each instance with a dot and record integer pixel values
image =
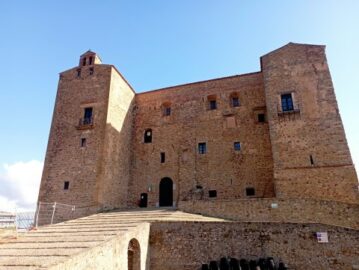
(261, 118)
(235, 102)
(237, 146)
(163, 157)
(79, 73)
(287, 102)
(91, 71)
(84, 61)
(66, 185)
(212, 193)
(250, 191)
(212, 104)
(83, 142)
(167, 111)
(202, 148)
(90, 60)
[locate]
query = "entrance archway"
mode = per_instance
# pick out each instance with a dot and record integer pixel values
(134, 255)
(166, 192)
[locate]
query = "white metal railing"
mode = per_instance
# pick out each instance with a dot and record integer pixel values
(53, 208)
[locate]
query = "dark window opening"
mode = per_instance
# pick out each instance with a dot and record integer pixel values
(261, 118)
(90, 60)
(212, 104)
(79, 73)
(250, 191)
(167, 111)
(84, 61)
(88, 116)
(199, 187)
(237, 146)
(212, 193)
(311, 160)
(235, 102)
(66, 185)
(91, 71)
(83, 142)
(163, 157)
(148, 136)
(287, 102)
(202, 148)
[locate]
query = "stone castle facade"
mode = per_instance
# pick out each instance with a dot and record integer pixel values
(276, 133)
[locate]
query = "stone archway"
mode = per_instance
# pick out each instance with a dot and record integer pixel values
(166, 192)
(134, 255)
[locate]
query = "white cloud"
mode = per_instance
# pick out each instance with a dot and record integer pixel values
(19, 185)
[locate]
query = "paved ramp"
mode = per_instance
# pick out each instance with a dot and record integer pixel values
(52, 245)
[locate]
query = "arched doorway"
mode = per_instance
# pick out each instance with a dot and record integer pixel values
(134, 255)
(166, 192)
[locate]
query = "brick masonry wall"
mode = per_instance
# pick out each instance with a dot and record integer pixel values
(294, 210)
(316, 130)
(187, 245)
(222, 169)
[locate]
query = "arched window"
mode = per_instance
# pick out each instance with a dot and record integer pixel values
(148, 136)
(134, 255)
(90, 60)
(212, 102)
(84, 61)
(166, 108)
(234, 100)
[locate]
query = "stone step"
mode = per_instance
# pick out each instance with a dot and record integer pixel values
(40, 251)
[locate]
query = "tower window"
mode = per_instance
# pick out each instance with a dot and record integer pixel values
(163, 157)
(235, 102)
(78, 72)
(202, 148)
(212, 193)
(66, 185)
(237, 146)
(167, 111)
(212, 104)
(287, 102)
(148, 136)
(250, 191)
(88, 116)
(311, 160)
(261, 118)
(90, 60)
(84, 61)
(91, 70)
(83, 142)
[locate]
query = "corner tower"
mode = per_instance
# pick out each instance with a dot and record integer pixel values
(310, 151)
(91, 126)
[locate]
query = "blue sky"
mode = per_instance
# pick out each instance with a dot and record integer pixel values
(155, 44)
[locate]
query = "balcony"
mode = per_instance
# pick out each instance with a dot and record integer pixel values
(85, 123)
(292, 114)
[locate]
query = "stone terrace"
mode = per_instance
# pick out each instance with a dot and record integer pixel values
(53, 245)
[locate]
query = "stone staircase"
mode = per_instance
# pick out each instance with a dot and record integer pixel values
(53, 245)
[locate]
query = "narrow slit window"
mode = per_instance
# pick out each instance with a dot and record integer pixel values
(163, 157)
(311, 160)
(202, 148)
(250, 191)
(261, 118)
(78, 73)
(83, 142)
(84, 61)
(66, 185)
(90, 60)
(148, 136)
(91, 70)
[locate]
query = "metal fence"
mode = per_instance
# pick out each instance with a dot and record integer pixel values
(54, 212)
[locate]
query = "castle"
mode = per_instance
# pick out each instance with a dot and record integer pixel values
(267, 146)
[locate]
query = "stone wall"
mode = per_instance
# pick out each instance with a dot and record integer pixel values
(187, 245)
(310, 152)
(221, 168)
(294, 210)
